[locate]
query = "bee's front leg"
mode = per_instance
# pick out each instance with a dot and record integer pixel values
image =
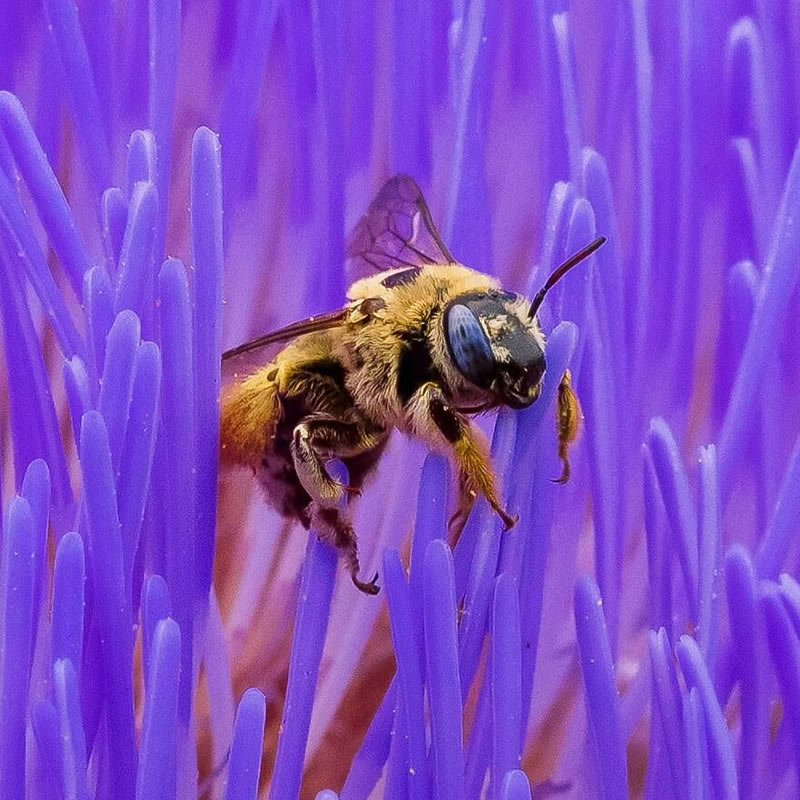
(437, 422)
(568, 423)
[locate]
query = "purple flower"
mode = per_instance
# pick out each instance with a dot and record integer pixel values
(637, 634)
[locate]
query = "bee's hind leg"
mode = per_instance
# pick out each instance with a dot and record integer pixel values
(466, 502)
(334, 529)
(319, 437)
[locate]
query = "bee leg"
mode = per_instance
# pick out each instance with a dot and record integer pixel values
(568, 422)
(334, 529)
(311, 471)
(319, 437)
(436, 421)
(456, 523)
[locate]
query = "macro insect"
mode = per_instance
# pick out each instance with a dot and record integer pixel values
(422, 344)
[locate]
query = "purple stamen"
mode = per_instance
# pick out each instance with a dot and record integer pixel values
(674, 486)
(81, 90)
(444, 683)
(309, 636)
(720, 748)
(506, 681)
(141, 161)
(177, 403)
(16, 635)
(98, 300)
(784, 646)
(73, 744)
(114, 212)
(207, 257)
(112, 606)
(47, 193)
(155, 607)
(164, 47)
(69, 575)
(248, 735)
(116, 384)
(135, 281)
(742, 594)
(667, 698)
(602, 700)
(157, 767)
(138, 447)
(409, 675)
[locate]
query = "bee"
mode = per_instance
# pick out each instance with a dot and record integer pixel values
(422, 344)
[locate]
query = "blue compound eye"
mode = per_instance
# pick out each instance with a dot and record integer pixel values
(468, 345)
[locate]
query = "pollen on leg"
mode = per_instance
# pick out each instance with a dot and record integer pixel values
(310, 468)
(568, 423)
(301, 437)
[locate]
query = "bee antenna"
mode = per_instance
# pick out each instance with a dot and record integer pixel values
(562, 270)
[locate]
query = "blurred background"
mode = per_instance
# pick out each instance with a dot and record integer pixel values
(669, 128)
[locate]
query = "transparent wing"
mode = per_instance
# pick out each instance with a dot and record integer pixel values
(320, 322)
(396, 231)
(258, 351)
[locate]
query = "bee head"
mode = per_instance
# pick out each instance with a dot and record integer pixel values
(497, 349)
(493, 348)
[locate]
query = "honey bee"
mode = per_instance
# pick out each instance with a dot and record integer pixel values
(422, 344)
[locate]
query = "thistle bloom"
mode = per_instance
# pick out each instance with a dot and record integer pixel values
(636, 635)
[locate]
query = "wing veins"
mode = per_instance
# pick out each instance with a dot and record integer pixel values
(428, 220)
(381, 231)
(424, 256)
(311, 325)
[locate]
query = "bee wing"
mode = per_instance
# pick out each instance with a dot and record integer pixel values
(396, 231)
(258, 349)
(320, 322)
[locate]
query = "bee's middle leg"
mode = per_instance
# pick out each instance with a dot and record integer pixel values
(320, 437)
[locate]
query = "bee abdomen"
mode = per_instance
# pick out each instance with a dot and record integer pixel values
(249, 416)
(282, 487)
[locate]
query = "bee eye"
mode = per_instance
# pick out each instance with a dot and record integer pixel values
(468, 345)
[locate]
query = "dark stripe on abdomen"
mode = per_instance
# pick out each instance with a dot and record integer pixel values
(401, 278)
